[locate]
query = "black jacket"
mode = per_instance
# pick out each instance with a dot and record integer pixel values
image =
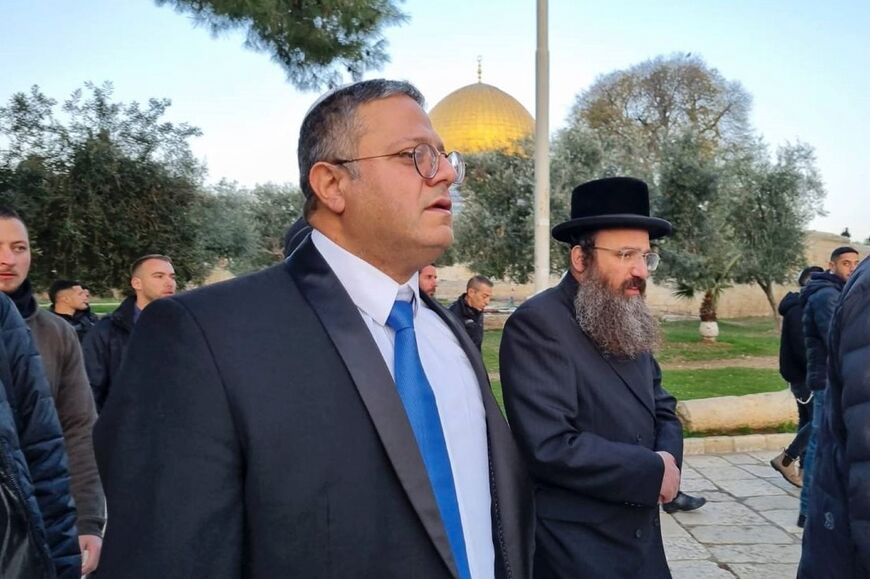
(272, 443)
(590, 428)
(82, 322)
(792, 351)
(471, 319)
(104, 348)
(836, 541)
(32, 447)
(818, 298)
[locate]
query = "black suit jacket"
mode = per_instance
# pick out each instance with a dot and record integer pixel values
(589, 427)
(255, 432)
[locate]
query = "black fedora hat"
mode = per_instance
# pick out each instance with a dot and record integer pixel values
(611, 203)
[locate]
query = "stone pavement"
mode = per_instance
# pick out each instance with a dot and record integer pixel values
(747, 528)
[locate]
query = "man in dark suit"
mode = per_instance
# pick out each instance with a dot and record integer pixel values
(584, 397)
(311, 434)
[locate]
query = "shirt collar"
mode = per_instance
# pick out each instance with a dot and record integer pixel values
(370, 289)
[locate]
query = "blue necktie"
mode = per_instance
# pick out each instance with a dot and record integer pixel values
(422, 411)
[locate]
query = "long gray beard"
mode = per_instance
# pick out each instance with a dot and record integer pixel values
(621, 327)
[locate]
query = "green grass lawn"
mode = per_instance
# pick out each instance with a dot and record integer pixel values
(101, 309)
(692, 384)
(737, 338)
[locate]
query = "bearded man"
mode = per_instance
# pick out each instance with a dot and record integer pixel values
(583, 395)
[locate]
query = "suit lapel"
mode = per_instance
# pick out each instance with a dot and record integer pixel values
(353, 342)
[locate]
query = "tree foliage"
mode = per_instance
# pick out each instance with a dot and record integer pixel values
(106, 184)
(772, 205)
(495, 230)
(317, 43)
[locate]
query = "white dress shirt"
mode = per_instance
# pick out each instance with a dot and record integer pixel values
(453, 382)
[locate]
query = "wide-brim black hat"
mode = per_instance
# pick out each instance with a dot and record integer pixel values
(611, 203)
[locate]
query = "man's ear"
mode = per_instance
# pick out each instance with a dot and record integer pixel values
(327, 182)
(136, 283)
(578, 263)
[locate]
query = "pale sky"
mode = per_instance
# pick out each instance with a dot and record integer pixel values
(806, 65)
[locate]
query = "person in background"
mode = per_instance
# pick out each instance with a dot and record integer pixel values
(61, 355)
(836, 541)
(428, 276)
(818, 299)
(793, 369)
(468, 308)
(70, 301)
(151, 277)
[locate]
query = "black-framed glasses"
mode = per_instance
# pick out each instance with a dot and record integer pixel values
(426, 158)
(628, 255)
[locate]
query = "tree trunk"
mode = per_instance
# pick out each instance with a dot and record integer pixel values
(767, 288)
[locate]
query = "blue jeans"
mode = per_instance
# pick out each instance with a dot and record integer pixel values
(810, 454)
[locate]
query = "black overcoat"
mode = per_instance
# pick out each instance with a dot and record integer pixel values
(589, 427)
(255, 432)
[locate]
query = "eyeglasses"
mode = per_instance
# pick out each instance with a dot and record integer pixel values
(426, 158)
(627, 256)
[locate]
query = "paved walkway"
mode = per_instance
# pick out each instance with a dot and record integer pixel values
(747, 528)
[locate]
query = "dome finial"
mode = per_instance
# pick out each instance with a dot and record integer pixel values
(479, 68)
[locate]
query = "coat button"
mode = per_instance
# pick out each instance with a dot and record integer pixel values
(638, 534)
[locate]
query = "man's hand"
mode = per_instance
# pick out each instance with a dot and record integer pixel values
(670, 479)
(90, 545)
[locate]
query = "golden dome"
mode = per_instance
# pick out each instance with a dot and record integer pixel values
(479, 117)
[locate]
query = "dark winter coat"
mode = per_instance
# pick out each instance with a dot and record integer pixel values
(81, 321)
(590, 427)
(836, 541)
(30, 435)
(471, 318)
(792, 351)
(818, 299)
(104, 349)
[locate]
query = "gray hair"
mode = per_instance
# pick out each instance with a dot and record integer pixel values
(331, 130)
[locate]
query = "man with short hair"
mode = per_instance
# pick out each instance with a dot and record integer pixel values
(818, 299)
(70, 301)
(61, 355)
(836, 543)
(584, 398)
(152, 277)
(322, 417)
(468, 308)
(428, 277)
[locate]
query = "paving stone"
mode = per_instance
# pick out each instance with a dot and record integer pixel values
(763, 471)
(717, 473)
(785, 518)
(756, 553)
(693, 446)
(697, 569)
(786, 486)
(764, 571)
(740, 535)
(766, 455)
(689, 473)
(741, 459)
(716, 496)
(749, 488)
(693, 485)
(685, 549)
(697, 462)
(725, 513)
(772, 503)
(671, 529)
(776, 442)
